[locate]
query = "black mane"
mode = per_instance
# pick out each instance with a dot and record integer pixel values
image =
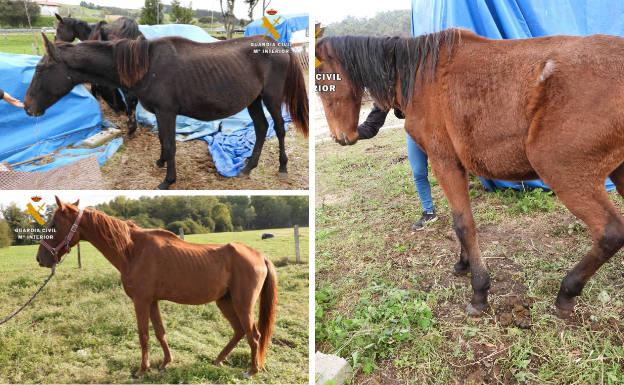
(376, 63)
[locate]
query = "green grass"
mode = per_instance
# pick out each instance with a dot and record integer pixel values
(82, 328)
(23, 43)
(366, 203)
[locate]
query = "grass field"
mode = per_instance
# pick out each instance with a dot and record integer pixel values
(23, 43)
(82, 328)
(387, 301)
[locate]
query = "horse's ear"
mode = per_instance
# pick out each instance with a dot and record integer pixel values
(76, 203)
(51, 49)
(59, 204)
(59, 18)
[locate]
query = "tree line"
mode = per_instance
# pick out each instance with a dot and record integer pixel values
(388, 23)
(191, 214)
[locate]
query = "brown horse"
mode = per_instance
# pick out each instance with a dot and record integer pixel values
(156, 265)
(546, 108)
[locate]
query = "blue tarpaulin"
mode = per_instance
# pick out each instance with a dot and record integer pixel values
(286, 26)
(72, 119)
(231, 140)
(514, 19)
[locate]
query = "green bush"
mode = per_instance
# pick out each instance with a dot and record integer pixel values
(189, 226)
(5, 234)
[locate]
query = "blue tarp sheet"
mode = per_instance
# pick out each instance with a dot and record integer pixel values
(513, 19)
(287, 25)
(231, 140)
(72, 119)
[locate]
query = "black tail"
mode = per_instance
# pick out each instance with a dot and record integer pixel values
(296, 95)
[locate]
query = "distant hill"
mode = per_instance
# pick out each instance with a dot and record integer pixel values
(389, 23)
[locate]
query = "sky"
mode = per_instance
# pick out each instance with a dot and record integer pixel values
(240, 10)
(330, 11)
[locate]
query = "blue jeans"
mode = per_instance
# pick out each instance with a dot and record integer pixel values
(418, 162)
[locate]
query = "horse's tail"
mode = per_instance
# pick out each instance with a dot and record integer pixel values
(296, 96)
(131, 60)
(268, 304)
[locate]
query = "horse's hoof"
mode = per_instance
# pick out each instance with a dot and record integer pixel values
(160, 163)
(217, 362)
(460, 269)
(244, 175)
(140, 373)
(283, 175)
(475, 310)
(164, 186)
(250, 373)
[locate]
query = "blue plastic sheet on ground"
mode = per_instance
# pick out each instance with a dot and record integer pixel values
(72, 119)
(514, 19)
(286, 26)
(231, 140)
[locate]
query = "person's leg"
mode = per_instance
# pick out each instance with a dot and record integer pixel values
(418, 162)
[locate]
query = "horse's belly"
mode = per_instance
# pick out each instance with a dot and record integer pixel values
(506, 162)
(192, 294)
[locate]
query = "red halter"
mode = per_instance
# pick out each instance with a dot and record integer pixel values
(65, 243)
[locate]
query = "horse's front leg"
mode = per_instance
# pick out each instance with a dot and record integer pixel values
(260, 126)
(453, 179)
(159, 330)
(142, 310)
(131, 103)
(166, 134)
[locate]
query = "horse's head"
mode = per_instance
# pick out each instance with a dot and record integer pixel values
(53, 79)
(341, 98)
(65, 30)
(59, 228)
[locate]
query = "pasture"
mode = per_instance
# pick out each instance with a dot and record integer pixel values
(386, 299)
(23, 43)
(82, 327)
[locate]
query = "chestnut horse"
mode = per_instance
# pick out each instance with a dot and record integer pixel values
(522, 109)
(156, 265)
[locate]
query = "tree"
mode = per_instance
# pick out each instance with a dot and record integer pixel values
(228, 17)
(180, 14)
(222, 218)
(152, 12)
(251, 4)
(13, 13)
(5, 234)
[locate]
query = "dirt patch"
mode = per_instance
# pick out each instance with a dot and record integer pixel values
(133, 166)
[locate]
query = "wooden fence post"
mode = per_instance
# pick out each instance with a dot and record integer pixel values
(79, 260)
(297, 251)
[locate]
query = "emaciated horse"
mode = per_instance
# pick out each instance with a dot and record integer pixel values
(173, 75)
(546, 108)
(68, 29)
(156, 265)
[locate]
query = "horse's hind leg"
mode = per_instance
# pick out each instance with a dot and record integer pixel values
(453, 179)
(274, 105)
(226, 307)
(166, 132)
(159, 330)
(243, 305)
(260, 126)
(591, 204)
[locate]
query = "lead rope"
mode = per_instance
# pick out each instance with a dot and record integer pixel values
(8, 318)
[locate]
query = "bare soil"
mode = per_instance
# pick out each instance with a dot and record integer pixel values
(133, 166)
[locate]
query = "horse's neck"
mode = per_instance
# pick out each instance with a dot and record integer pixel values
(83, 30)
(90, 233)
(95, 63)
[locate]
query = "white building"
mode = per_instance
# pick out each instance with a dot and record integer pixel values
(48, 8)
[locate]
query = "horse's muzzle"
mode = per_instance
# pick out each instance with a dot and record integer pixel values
(344, 140)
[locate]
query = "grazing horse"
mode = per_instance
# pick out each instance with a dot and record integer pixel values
(173, 75)
(521, 109)
(68, 29)
(156, 265)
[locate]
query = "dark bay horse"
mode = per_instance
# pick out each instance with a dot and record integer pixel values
(68, 29)
(156, 265)
(173, 75)
(544, 108)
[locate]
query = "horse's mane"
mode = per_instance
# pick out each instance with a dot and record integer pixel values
(377, 63)
(131, 59)
(115, 232)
